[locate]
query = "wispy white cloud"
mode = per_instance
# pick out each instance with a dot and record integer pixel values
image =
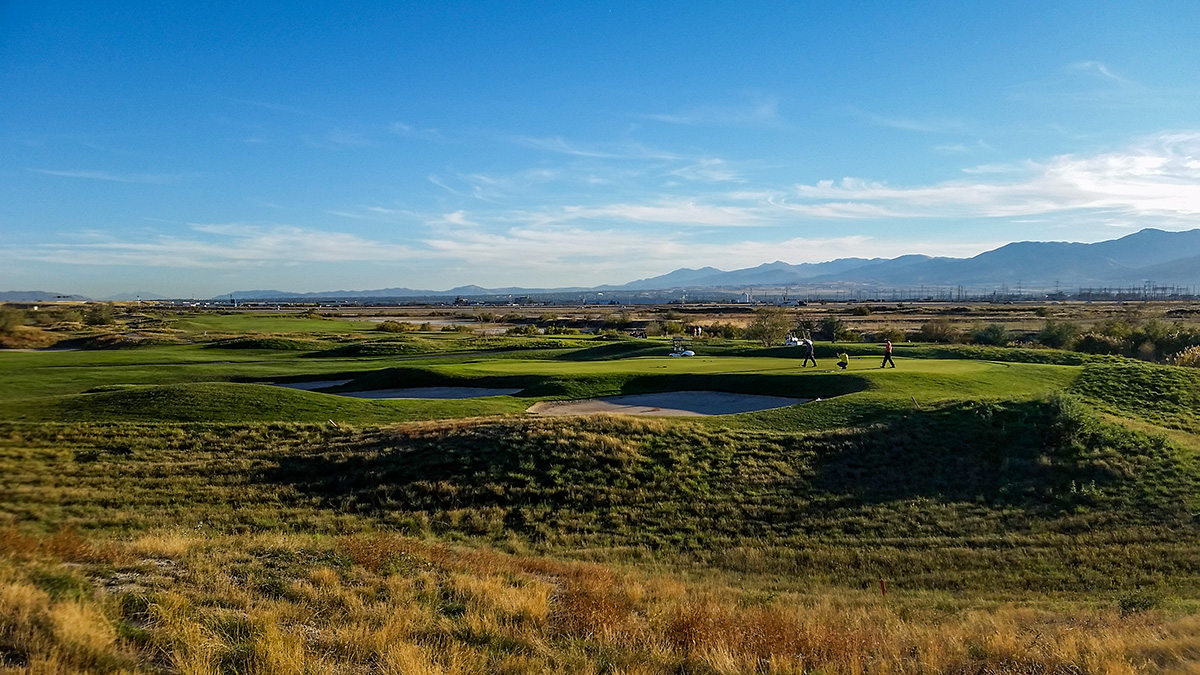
(962, 148)
(625, 151)
(337, 138)
(408, 130)
(226, 245)
(763, 110)
(1085, 81)
(680, 213)
(372, 213)
(709, 169)
(922, 124)
(115, 177)
(1097, 67)
(1160, 177)
(278, 107)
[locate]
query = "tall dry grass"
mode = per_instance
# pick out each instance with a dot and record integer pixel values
(280, 604)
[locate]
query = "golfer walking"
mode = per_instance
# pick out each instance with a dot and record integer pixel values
(808, 353)
(887, 354)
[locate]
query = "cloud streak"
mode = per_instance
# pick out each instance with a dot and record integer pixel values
(145, 178)
(763, 111)
(1158, 178)
(230, 245)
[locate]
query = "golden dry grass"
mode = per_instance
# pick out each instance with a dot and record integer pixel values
(278, 603)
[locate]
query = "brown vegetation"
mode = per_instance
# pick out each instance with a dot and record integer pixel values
(276, 603)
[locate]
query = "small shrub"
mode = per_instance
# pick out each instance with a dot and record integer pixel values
(848, 335)
(1058, 334)
(938, 330)
(1138, 602)
(397, 327)
(10, 319)
(100, 315)
(1094, 343)
(726, 331)
(993, 334)
(1146, 351)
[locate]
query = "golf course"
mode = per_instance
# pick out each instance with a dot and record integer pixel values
(241, 492)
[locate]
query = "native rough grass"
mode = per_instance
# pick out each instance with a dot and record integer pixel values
(279, 603)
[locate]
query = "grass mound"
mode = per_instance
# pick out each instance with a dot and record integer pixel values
(282, 344)
(1167, 395)
(1017, 496)
(393, 347)
(1007, 483)
(134, 340)
(226, 402)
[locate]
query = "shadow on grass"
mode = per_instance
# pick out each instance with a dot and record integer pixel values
(620, 481)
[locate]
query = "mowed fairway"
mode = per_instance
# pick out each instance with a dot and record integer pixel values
(198, 383)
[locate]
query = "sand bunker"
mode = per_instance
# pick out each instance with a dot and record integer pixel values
(667, 404)
(430, 392)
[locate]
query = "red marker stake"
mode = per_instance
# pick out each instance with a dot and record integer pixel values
(882, 587)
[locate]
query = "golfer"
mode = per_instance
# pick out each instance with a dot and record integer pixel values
(808, 353)
(887, 354)
(843, 360)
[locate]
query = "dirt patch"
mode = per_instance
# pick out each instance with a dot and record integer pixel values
(668, 404)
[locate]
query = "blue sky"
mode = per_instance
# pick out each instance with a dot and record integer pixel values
(192, 149)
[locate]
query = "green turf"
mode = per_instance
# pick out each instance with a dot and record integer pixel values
(960, 468)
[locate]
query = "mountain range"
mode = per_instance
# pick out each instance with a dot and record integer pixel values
(1155, 256)
(1151, 256)
(1148, 257)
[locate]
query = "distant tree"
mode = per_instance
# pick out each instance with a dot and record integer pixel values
(831, 326)
(726, 331)
(1058, 334)
(938, 330)
(770, 326)
(889, 333)
(806, 328)
(397, 327)
(618, 320)
(11, 318)
(989, 334)
(1098, 343)
(101, 314)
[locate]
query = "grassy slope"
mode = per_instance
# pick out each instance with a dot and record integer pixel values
(1015, 495)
